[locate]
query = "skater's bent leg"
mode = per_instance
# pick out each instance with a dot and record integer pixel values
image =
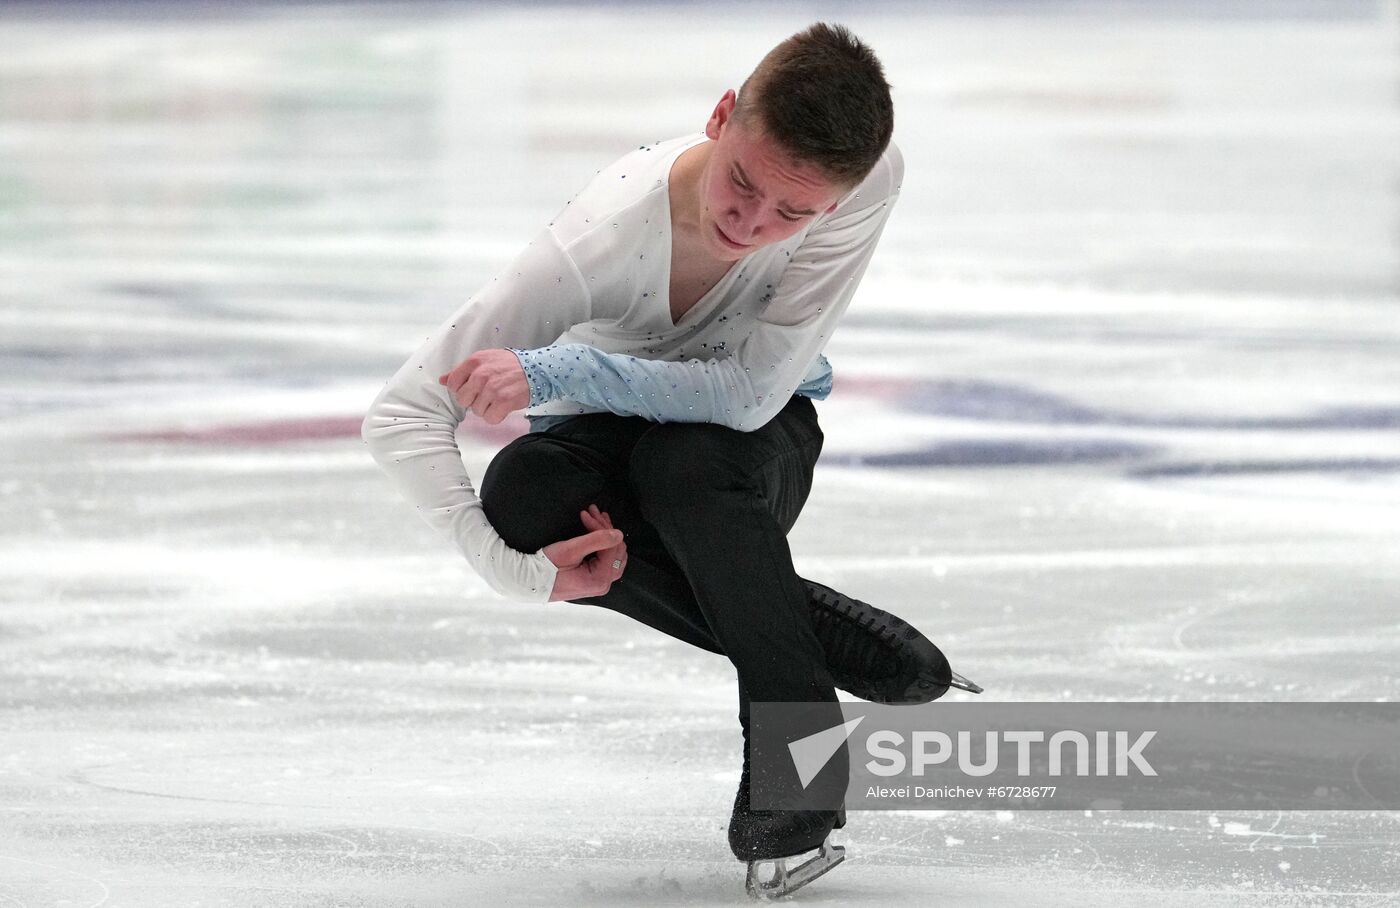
(536, 486)
(722, 502)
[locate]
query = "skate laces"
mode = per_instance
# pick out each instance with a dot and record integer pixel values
(857, 644)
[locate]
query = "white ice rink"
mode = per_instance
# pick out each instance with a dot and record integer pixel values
(1117, 416)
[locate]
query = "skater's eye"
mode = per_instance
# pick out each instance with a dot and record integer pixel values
(741, 183)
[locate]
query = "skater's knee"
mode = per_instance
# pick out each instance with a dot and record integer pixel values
(516, 470)
(533, 491)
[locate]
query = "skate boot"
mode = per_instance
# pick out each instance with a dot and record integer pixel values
(784, 849)
(876, 655)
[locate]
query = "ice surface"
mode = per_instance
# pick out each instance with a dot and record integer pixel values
(1116, 417)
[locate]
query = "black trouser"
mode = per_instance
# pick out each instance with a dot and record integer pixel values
(706, 511)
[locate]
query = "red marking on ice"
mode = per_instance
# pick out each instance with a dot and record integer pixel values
(326, 428)
(310, 428)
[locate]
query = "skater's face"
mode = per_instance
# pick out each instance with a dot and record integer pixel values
(752, 190)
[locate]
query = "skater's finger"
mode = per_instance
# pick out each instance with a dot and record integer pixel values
(620, 545)
(603, 518)
(590, 522)
(597, 518)
(599, 540)
(614, 560)
(591, 525)
(453, 380)
(474, 395)
(571, 552)
(496, 413)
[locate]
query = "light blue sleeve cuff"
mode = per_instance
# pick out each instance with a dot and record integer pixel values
(662, 391)
(817, 384)
(532, 361)
(622, 384)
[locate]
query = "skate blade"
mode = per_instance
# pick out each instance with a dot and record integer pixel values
(962, 683)
(784, 881)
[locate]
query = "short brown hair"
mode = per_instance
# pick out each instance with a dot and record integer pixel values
(822, 96)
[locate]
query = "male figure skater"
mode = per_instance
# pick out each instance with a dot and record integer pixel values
(665, 332)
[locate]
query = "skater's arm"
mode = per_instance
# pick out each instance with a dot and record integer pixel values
(411, 426)
(747, 388)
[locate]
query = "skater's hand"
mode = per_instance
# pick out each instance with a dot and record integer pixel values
(489, 383)
(586, 562)
(595, 519)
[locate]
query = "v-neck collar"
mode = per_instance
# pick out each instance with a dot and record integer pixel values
(725, 280)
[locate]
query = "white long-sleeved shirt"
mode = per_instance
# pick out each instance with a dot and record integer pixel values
(586, 308)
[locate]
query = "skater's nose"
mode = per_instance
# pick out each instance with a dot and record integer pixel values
(744, 222)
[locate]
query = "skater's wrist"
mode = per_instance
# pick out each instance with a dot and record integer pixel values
(518, 576)
(535, 364)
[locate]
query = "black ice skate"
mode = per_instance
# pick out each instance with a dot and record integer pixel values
(878, 656)
(785, 849)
